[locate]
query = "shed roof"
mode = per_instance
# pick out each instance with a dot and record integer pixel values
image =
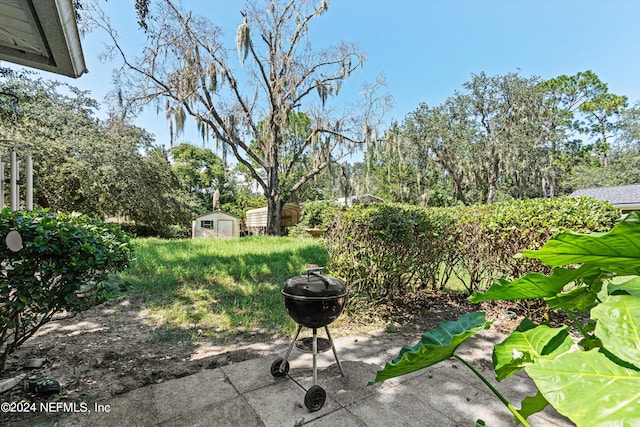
(217, 211)
(287, 209)
(621, 196)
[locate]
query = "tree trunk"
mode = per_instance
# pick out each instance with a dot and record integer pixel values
(274, 198)
(493, 179)
(553, 179)
(274, 214)
(458, 184)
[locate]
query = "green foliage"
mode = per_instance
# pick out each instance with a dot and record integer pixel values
(603, 367)
(539, 342)
(64, 258)
(82, 164)
(574, 378)
(201, 172)
(491, 235)
(436, 345)
(316, 214)
(275, 134)
(506, 137)
(387, 249)
(320, 213)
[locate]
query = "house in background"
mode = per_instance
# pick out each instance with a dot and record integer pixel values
(216, 224)
(625, 197)
(360, 199)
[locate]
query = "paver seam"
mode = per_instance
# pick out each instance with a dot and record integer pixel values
(242, 396)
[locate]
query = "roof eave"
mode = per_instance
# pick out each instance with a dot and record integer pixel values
(55, 21)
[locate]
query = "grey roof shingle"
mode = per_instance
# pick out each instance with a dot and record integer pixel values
(621, 196)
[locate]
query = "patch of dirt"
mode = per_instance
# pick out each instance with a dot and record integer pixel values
(115, 348)
(423, 311)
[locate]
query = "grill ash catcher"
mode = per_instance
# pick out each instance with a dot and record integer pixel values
(313, 301)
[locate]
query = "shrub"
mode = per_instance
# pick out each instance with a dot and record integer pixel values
(173, 231)
(387, 249)
(63, 257)
(384, 250)
(490, 236)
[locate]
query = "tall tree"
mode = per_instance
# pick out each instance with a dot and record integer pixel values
(624, 158)
(185, 69)
(201, 172)
(575, 105)
(445, 134)
(506, 111)
(602, 112)
(392, 170)
(83, 164)
(486, 138)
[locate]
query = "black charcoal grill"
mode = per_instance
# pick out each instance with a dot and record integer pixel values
(313, 301)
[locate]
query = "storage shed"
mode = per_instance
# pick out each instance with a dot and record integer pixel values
(257, 218)
(216, 224)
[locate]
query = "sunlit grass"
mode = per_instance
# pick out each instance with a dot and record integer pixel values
(219, 288)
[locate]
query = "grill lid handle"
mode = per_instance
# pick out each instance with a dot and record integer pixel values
(314, 269)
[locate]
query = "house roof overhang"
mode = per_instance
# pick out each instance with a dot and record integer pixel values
(41, 34)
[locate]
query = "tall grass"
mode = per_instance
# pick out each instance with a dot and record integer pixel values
(219, 288)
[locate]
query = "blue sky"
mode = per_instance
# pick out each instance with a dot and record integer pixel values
(427, 49)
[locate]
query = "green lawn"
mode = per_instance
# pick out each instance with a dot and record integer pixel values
(218, 288)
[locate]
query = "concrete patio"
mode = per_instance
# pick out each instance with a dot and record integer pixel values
(245, 393)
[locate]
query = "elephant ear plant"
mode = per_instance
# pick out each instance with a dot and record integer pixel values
(61, 258)
(595, 381)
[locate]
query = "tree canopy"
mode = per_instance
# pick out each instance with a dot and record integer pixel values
(246, 103)
(510, 136)
(101, 168)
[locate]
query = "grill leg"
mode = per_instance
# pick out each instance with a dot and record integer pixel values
(335, 353)
(286, 356)
(315, 354)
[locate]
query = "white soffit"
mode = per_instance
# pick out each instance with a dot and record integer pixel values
(41, 34)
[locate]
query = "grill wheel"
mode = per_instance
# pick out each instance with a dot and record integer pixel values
(275, 369)
(315, 398)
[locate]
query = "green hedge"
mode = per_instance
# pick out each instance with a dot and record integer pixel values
(490, 236)
(388, 249)
(63, 257)
(383, 250)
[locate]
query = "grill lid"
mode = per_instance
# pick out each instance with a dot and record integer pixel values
(314, 285)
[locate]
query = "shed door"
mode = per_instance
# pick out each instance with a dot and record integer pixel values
(225, 228)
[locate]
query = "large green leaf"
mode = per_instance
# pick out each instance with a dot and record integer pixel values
(579, 298)
(618, 326)
(436, 345)
(624, 284)
(534, 285)
(618, 250)
(531, 405)
(528, 343)
(589, 388)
